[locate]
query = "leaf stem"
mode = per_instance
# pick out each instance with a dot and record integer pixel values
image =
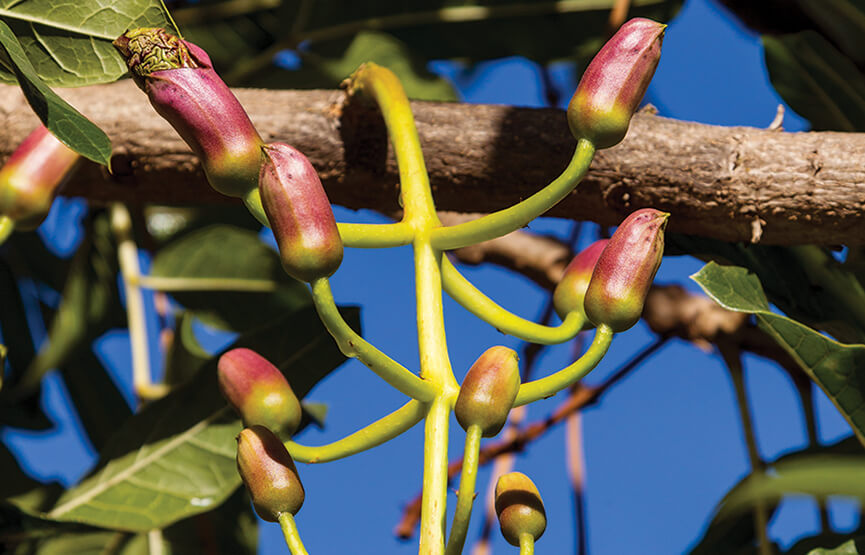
(380, 431)
(127, 255)
(7, 226)
(519, 215)
(552, 384)
(733, 359)
(527, 544)
(292, 536)
(376, 236)
(466, 494)
(353, 345)
(476, 302)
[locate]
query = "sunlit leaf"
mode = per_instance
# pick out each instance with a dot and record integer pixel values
(839, 369)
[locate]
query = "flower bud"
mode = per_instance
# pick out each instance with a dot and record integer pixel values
(182, 86)
(614, 83)
(519, 507)
(299, 213)
(488, 391)
(571, 289)
(625, 270)
(269, 473)
(258, 391)
(32, 176)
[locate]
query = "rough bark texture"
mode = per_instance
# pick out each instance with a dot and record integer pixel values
(735, 184)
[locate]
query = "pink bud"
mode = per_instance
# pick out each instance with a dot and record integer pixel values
(614, 83)
(32, 176)
(179, 79)
(258, 391)
(625, 270)
(299, 213)
(269, 473)
(488, 391)
(571, 289)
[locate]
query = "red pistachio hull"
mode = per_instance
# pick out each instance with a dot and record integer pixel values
(614, 83)
(32, 176)
(258, 391)
(269, 473)
(571, 289)
(519, 507)
(625, 270)
(299, 213)
(488, 391)
(183, 88)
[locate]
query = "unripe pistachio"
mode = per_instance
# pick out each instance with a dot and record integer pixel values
(32, 176)
(182, 86)
(258, 391)
(299, 213)
(519, 507)
(625, 270)
(571, 289)
(488, 391)
(614, 83)
(269, 473)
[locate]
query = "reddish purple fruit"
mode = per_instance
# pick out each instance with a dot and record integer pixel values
(625, 270)
(31, 177)
(571, 289)
(179, 79)
(258, 391)
(299, 213)
(269, 473)
(519, 507)
(614, 83)
(488, 391)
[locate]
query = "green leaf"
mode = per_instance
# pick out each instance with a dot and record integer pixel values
(65, 122)
(185, 355)
(315, 412)
(70, 43)
(176, 457)
(817, 81)
(842, 21)
(227, 252)
(90, 304)
(851, 547)
(837, 368)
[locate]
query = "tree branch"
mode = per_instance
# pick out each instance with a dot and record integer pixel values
(728, 183)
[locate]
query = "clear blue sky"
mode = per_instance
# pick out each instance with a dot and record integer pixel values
(663, 446)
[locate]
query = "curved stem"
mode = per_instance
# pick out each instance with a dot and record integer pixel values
(353, 345)
(384, 87)
(519, 215)
(380, 431)
(375, 236)
(473, 300)
(552, 384)
(466, 494)
(292, 536)
(527, 544)
(7, 226)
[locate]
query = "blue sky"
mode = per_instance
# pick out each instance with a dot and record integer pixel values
(663, 446)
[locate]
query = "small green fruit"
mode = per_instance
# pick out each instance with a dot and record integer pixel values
(269, 473)
(519, 507)
(488, 391)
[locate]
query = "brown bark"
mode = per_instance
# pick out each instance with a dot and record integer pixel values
(733, 184)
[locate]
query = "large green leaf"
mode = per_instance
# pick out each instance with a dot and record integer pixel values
(65, 122)
(175, 458)
(69, 43)
(228, 252)
(855, 546)
(817, 81)
(839, 369)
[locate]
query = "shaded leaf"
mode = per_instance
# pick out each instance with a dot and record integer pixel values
(227, 252)
(70, 43)
(820, 83)
(837, 368)
(185, 355)
(176, 457)
(65, 122)
(842, 21)
(315, 412)
(851, 547)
